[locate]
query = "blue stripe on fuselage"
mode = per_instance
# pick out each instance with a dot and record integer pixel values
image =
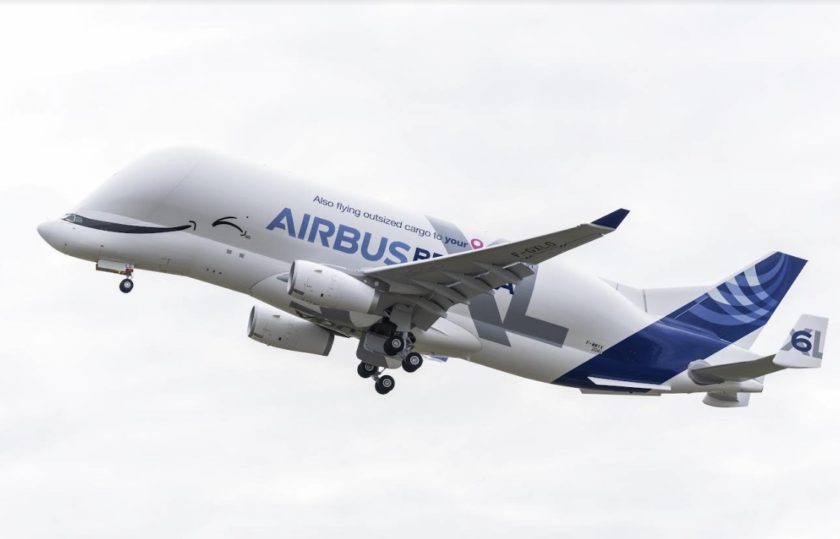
(650, 356)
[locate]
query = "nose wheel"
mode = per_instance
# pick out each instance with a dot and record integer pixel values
(127, 285)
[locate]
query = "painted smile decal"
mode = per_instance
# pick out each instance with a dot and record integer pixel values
(225, 221)
(143, 229)
(123, 228)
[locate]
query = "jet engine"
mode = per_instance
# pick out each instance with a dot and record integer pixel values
(329, 287)
(283, 330)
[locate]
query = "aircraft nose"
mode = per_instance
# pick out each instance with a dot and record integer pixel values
(51, 235)
(44, 231)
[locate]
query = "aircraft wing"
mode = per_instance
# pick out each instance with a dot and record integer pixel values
(436, 284)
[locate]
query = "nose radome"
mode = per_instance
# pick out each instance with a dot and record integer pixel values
(44, 230)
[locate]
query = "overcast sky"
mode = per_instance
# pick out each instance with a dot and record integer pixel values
(153, 415)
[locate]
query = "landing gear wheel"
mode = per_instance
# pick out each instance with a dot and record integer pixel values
(394, 345)
(126, 286)
(412, 362)
(384, 385)
(366, 370)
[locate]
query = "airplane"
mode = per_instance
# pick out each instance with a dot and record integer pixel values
(409, 286)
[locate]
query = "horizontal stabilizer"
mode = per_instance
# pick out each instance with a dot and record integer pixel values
(702, 373)
(804, 348)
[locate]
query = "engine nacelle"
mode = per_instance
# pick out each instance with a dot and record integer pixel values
(328, 287)
(283, 330)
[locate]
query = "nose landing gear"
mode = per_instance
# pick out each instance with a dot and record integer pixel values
(127, 285)
(120, 268)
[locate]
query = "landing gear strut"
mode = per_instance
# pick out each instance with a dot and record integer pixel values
(127, 285)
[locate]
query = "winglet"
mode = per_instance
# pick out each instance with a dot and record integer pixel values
(613, 219)
(804, 348)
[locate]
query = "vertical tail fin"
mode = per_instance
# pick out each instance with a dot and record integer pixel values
(744, 302)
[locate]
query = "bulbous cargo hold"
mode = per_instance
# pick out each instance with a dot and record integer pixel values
(283, 330)
(329, 287)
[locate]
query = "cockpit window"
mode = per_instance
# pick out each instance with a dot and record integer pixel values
(73, 218)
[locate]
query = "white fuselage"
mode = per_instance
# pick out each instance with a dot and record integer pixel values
(243, 226)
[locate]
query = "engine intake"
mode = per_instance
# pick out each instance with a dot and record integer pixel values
(329, 287)
(286, 331)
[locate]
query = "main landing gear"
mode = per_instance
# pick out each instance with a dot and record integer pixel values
(412, 361)
(396, 346)
(127, 285)
(384, 382)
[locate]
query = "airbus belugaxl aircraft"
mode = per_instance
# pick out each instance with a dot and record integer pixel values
(406, 285)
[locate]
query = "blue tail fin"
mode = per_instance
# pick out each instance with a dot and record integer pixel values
(744, 302)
